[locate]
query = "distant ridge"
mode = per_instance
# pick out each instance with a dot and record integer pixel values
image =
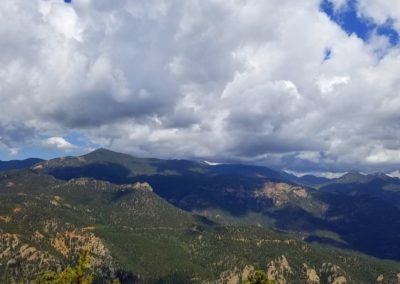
(350, 207)
(18, 164)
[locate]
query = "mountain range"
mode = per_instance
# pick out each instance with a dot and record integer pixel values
(181, 221)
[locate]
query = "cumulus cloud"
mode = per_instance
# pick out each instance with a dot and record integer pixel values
(339, 4)
(382, 155)
(59, 143)
(217, 80)
(381, 12)
(327, 85)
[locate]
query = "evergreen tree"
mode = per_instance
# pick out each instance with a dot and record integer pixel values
(78, 274)
(258, 277)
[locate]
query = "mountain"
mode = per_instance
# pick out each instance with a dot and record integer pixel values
(139, 237)
(107, 165)
(44, 222)
(240, 195)
(310, 180)
(247, 170)
(378, 186)
(18, 164)
(306, 180)
(110, 165)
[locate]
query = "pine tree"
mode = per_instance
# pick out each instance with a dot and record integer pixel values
(77, 274)
(258, 277)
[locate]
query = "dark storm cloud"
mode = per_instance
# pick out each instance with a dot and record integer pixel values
(15, 133)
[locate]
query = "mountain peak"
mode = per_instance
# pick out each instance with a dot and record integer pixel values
(103, 154)
(353, 177)
(353, 174)
(102, 151)
(380, 175)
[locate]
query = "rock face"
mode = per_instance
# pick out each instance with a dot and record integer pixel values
(20, 258)
(70, 243)
(311, 275)
(24, 260)
(279, 192)
(279, 270)
(47, 249)
(327, 273)
(142, 186)
(235, 276)
(333, 274)
(282, 193)
(5, 218)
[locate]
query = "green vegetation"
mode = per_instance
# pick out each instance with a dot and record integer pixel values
(137, 236)
(258, 277)
(348, 209)
(78, 274)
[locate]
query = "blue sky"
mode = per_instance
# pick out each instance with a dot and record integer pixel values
(350, 20)
(45, 150)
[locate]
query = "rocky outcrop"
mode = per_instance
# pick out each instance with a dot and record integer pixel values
(332, 274)
(5, 218)
(20, 259)
(281, 193)
(235, 276)
(142, 186)
(311, 276)
(279, 270)
(327, 273)
(71, 243)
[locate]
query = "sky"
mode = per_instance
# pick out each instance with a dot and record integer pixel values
(306, 86)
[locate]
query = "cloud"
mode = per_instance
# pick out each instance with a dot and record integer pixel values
(58, 143)
(311, 156)
(381, 11)
(14, 134)
(381, 155)
(327, 85)
(330, 175)
(395, 174)
(339, 4)
(215, 80)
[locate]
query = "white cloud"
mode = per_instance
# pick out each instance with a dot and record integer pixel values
(311, 156)
(10, 150)
(13, 151)
(382, 155)
(328, 85)
(381, 11)
(330, 175)
(395, 174)
(217, 80)
(339, 4)
(212, 163)
(59, 143)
